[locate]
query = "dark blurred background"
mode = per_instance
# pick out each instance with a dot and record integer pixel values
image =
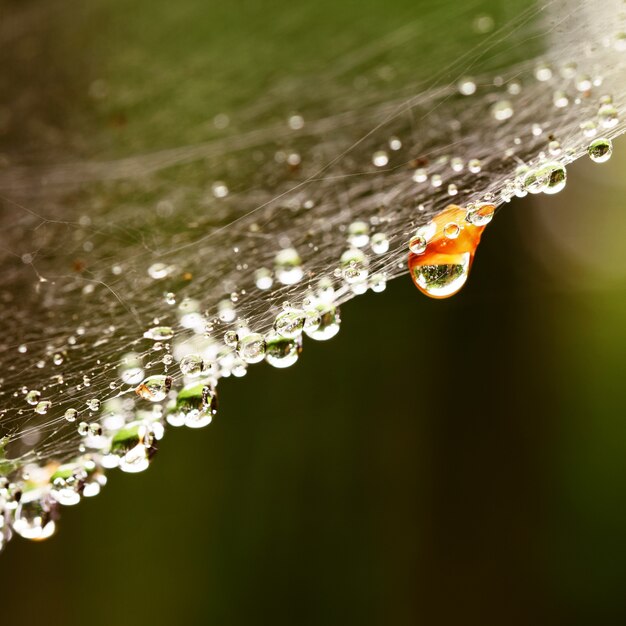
(438, 462)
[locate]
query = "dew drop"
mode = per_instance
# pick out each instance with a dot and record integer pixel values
(282, 351)
(354, 264)
(329, 322)
(159, 333)
(195, 407)
(600, 150)
(263, 278)
(33, 397)
(34, 517)
(608, 116)
(133, 445)
(442, 268)
(288, 266)
(154, 388)
(358, 234)
(467, 86)
(192, 365)
(380, 158)
(251, 348)
(379, 243)
(289, 324)
(502, 110)
(42, 407)
(549, 178)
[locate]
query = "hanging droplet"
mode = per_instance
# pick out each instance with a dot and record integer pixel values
(251, 348)
(154, 388)
(288, 266)
(289, 324)
(379, 243)
(67, 484)
(192, 365)
(329, 321)
(42, 407)
(354, 264)
(195, 406)
(34, 516)
(443, 267)
(33, 397)
(132, 447)
(281, 351)
(600, 150)
(358, 234)
(547, 178)
(608, 116)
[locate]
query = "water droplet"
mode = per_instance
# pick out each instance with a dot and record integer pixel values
(543, 72)
(358, 234)
(583, 82)
(67, 484)
(288, 266)
(289, 324)
(33, 397)
(154, 388)
(282, 351)
(378, 283)
(380, 158)
(71, 415)
(192, 365)
(42, 407)
(34, 516)
(467, 86)
(560, 99)
(451, 230)
(231, 338)
(219, 189)
(263, 278)
(158, 271)
(251, 348)
(379, 243)
(481, 214)
(547, 178)
(442, 269)
(159, 333)
(474, 166)
(502, 110)
(130, 369)
(195, 406)
(554, 148)
(608, 116)
(420, 175)
(329, 322)
(93, 404)
(354, 265)
(600, 150)
(133, 445)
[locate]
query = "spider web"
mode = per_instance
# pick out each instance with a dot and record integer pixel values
(189, 238)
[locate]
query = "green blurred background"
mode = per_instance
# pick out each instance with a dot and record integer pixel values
(438, 462)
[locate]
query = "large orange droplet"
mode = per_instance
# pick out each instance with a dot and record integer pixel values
(449, 243)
